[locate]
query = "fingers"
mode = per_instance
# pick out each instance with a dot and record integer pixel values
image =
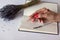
(39, 14)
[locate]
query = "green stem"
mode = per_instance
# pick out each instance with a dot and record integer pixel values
(29, 4)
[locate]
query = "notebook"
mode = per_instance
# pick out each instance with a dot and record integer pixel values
(28, 26)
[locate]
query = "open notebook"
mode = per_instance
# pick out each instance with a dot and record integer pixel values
(26, 25)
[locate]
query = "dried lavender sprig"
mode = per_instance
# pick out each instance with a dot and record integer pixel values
(9, 11)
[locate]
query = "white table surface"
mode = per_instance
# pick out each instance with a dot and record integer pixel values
(9, 30)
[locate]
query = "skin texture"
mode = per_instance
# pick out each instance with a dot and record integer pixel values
(47, 15)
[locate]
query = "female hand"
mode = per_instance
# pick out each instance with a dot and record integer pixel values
(45, 14)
